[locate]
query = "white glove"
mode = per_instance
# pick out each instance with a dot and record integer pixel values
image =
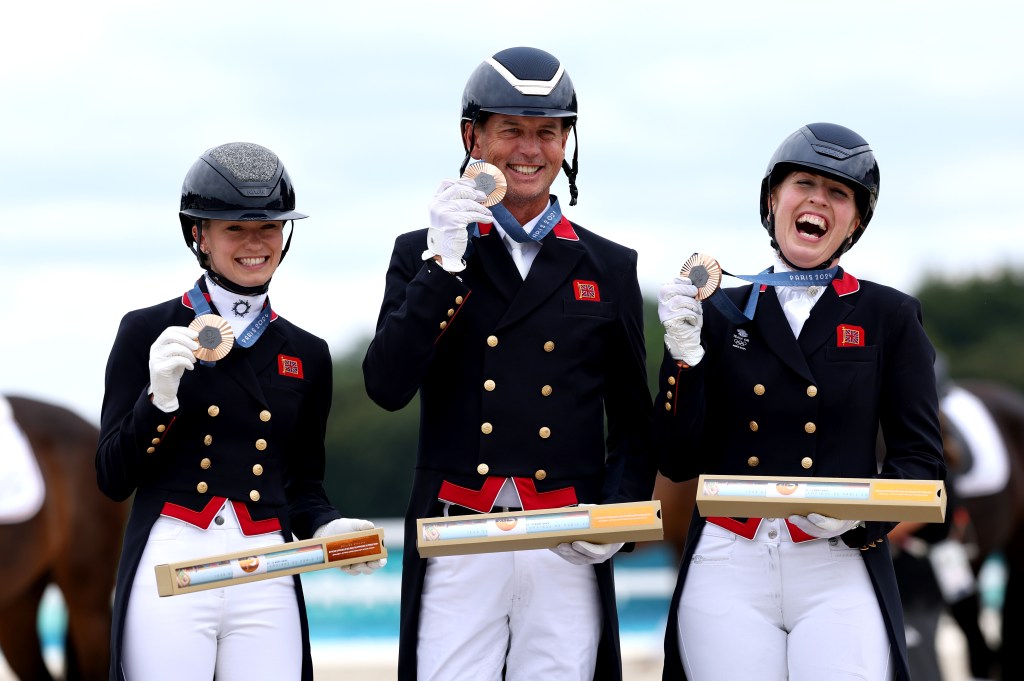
(169, 356)
(822, 526)
(344, 526)
(682, 316)
(586, 553)
(457, 204)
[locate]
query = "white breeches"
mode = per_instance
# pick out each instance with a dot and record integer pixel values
(531, 609)
(238, 633)
(775, 610)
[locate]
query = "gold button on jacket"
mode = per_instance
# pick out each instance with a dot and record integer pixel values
(264, 416)
(483, 469)
(202, 487)
(261, 444)
(486, 428)
(807, 462)
(254, 495)
(492, 341)
(759, 389)
(541, 474)
(213, 410)
(753, 461)
(205, 463)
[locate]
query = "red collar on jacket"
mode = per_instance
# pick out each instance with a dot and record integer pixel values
(844, 284)
(562, 230)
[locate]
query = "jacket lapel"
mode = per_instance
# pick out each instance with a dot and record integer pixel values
(774, 328)
(251, 362)
(826, 315)
(550, 270)
(493, 258)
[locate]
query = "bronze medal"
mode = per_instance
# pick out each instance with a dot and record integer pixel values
(215, 337)
(489, 180)
(704, 272)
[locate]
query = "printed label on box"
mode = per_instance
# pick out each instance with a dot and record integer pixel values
(782, 489)
(470, 527)
(252, 565)
(353, 548)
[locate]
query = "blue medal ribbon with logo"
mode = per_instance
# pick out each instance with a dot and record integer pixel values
(552, 216)
(767, 276)
(247, 338)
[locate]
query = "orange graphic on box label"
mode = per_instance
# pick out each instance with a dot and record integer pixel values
(353, 548)
(901, 490)
(621, 516)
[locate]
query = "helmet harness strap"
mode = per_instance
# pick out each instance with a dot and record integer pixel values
(570, 172)
(472, 143)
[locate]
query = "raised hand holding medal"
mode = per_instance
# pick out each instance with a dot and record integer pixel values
(215, 337)
(704, 272)
(488, 179)
(706, 275)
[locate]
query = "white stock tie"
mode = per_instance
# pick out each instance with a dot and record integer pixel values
(517, 256)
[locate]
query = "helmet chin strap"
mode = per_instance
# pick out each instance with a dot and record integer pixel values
(571, 171)
(469, 149)
(843, 248)
(226, 283)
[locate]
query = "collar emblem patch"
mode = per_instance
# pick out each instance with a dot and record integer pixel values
(289, 366)
(849, 336)
(740, 339)
(585, 290)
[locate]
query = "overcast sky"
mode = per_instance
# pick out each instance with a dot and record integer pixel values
(104, 105)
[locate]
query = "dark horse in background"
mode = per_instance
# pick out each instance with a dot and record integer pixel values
(995, 521)
(73, 542)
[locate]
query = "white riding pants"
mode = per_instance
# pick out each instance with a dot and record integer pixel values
(238, 633)
(532, 609)
(774, 610)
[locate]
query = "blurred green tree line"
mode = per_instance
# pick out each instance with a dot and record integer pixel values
(977, 324)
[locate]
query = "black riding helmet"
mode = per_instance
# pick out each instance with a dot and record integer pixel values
(830, 150)
(235, 181)
(522, 81)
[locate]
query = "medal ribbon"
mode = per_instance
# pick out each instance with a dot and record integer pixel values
(516, 232)
(251, 334)
(767, 276)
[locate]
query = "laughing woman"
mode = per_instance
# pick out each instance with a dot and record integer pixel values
(800, 388)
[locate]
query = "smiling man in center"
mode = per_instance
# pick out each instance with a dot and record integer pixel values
(522, 332)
